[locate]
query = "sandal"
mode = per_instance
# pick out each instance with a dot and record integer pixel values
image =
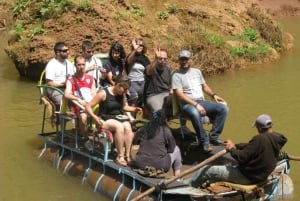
(120, 161)
(128, 160)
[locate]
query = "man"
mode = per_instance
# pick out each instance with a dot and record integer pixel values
(57, 72)
(93, 64)
(189, 86)
(81, 88)
(158, 81)
(256, 159)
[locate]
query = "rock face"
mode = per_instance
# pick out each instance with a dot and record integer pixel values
(215, 31)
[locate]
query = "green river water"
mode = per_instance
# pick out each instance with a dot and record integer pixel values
(269, 88)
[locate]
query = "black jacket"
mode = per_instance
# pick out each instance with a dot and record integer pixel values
(258, 158)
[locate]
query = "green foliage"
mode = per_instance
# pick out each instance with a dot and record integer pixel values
(85, 5)
(37, 30)
(249, 48)
(249, 34)
(136, 9)
(121, 15)
(17, 30)
(172, 9)
(54, 8)
(214, 39)
(268, 29)
(250, 51)
(20, 7)
(163, 15)
(237, 51)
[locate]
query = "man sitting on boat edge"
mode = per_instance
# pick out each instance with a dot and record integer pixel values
(256, 159)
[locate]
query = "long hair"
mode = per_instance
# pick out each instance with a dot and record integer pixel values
(117, 47)
(158, 121)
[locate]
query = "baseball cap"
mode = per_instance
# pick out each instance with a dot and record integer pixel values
(184, 53)
(263, 121)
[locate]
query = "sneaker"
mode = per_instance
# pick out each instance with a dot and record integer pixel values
(217, 142)
(207, 148)
(89, 145)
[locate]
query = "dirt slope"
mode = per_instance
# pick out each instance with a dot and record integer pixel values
(205, 27)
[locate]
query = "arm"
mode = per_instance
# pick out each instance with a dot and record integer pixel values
(70, 96)
(150, 69)
(99, 97)
(212, 94)
(109, 77)
(247, 152)
(54, 84)
(184, 98)
(130, 57)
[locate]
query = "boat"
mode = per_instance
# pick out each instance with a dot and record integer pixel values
(122, 183)
(64, 150)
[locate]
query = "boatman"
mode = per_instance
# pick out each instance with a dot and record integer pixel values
(256, 159)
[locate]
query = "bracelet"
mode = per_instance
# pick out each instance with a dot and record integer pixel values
(213, 95)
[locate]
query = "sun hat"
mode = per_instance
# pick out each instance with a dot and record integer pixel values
(263, 121)
(184, 53)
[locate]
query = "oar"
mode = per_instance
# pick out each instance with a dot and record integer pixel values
(294, 158)
(188, 171)
(78, 104)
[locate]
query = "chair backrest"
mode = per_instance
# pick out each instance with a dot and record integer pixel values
(175, 105)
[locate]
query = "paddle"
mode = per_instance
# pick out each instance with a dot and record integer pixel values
(188, 171)
(294, 158)
(78, 104)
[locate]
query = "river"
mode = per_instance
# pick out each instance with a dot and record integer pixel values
(270, 88)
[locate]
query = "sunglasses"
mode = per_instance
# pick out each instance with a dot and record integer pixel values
(65, 50)
(90, 51)
(162, 59)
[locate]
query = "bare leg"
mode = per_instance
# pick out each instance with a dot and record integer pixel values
(117, 129)
(83, 124)
(128, 135)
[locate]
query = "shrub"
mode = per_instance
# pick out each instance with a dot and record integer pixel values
(172, 9)
(163, 15)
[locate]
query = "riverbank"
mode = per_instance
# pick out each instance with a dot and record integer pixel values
(222, 35)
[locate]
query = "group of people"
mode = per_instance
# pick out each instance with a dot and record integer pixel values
(125, 85)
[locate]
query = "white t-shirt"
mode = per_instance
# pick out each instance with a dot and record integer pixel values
(89, 62)
(190, 82)
(58, 71)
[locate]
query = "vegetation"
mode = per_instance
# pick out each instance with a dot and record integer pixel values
(248, 47)
(217, 43)
(172, 9)
(163, 15)
(269, 30)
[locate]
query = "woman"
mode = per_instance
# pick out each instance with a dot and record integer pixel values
(112, 103)
(115, 66)
(137, 62)
(157, 146)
